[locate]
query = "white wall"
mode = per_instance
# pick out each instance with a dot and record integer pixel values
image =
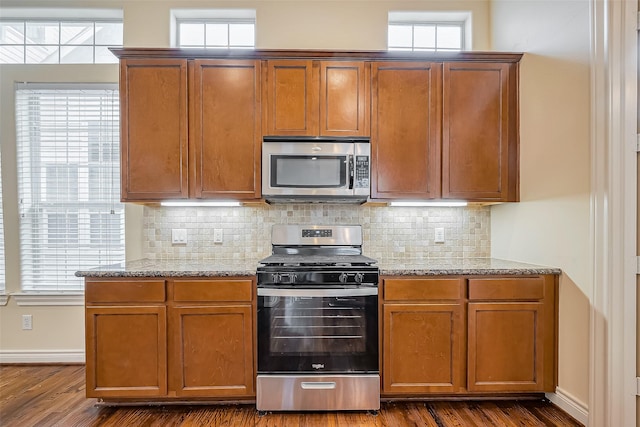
(550, 225)
(347, 25)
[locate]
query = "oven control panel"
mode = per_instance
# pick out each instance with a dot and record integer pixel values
(292, 276)
(321, 232)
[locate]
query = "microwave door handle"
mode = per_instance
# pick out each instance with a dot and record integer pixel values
(350, 172)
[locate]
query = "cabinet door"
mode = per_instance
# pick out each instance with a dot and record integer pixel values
(126, 351)
(212, 350)
(506, 347)
(225, 129)
(153, 103)
(292, 98)
(344, 98)
(422, 348)
(405, 130)
(480, 132)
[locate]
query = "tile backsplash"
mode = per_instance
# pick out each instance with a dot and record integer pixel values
(389, 232)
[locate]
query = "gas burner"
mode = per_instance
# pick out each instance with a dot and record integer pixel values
(317, 256)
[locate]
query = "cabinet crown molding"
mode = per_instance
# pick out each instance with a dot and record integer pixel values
(376, 55)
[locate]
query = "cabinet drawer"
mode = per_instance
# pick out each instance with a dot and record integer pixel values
(521, 288)
(106, 291)
(212, 290)
(422, 289)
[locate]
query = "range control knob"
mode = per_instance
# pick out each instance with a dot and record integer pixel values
(275, 277)
(293, 277)
(343, 277)
(359, 277)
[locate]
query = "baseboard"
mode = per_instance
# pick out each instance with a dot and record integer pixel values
(570, 404)
(42, 356)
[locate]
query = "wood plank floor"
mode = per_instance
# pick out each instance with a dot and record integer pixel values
(55, 396)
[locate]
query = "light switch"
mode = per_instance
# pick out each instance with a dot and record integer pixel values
(439, 237)
(179, 236)
(217, 235)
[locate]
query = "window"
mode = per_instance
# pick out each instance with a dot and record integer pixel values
(428, 32)
(214, 28)
(55, 41)
(68, 182)
(2, 262)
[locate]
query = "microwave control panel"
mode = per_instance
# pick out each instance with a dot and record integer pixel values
(362, 172)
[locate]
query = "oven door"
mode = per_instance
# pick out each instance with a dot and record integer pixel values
(318, 331)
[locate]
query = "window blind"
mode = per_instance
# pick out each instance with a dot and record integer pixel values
(71, 217)
(2, 262)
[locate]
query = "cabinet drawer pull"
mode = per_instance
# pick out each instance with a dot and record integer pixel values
(327, 385)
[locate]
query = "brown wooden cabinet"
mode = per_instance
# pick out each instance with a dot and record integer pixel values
(153, 122)
(185, 338)
(225, 130)
(480, 132)
(317, 98)
(423, 339)
(441, 127)
(125, 335)
(405, 135)
(505, 343)
(512, 334)
(190, 129)
(211, 338)
(445, 130)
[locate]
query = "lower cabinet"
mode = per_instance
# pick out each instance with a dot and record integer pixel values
(126, 351)
(211, 339)
(170, 338)
(423, 337)
(512, 334)
(125, 338)
(466, 335)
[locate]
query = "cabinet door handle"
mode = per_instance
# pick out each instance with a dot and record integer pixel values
(318, 385)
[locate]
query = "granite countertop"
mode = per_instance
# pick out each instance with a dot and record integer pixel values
(466, 266)
(174, 268)
(388, 267)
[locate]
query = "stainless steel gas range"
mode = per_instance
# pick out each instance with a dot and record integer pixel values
(317, 321)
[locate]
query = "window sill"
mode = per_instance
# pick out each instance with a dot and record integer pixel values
(4, 298)
(48, 298)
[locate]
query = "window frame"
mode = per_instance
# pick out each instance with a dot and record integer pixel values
(460, 19)
(436, 25)
(59, 45)
(211, 15)
(226, 21)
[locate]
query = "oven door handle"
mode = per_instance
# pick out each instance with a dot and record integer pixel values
(355, 292)
(320, 385)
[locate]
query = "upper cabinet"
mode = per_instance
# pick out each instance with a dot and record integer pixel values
(445, 130)
(317, 98)
(480, 132)
(153, 103)
(190, 129)
(441, 127)
(405, 134)
(225, 134)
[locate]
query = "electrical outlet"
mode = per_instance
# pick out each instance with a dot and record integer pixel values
(27, 322)
(439, 237)
(179, 236)
(217, 235)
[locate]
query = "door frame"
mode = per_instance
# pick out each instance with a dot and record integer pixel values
(614, 107)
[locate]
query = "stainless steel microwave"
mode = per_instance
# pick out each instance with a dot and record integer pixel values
(296, 169)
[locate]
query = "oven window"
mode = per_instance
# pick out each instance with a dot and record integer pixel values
(317, 334)
(309, 171)
(316, 325)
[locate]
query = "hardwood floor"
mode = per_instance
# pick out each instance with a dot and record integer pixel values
(55, 396)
